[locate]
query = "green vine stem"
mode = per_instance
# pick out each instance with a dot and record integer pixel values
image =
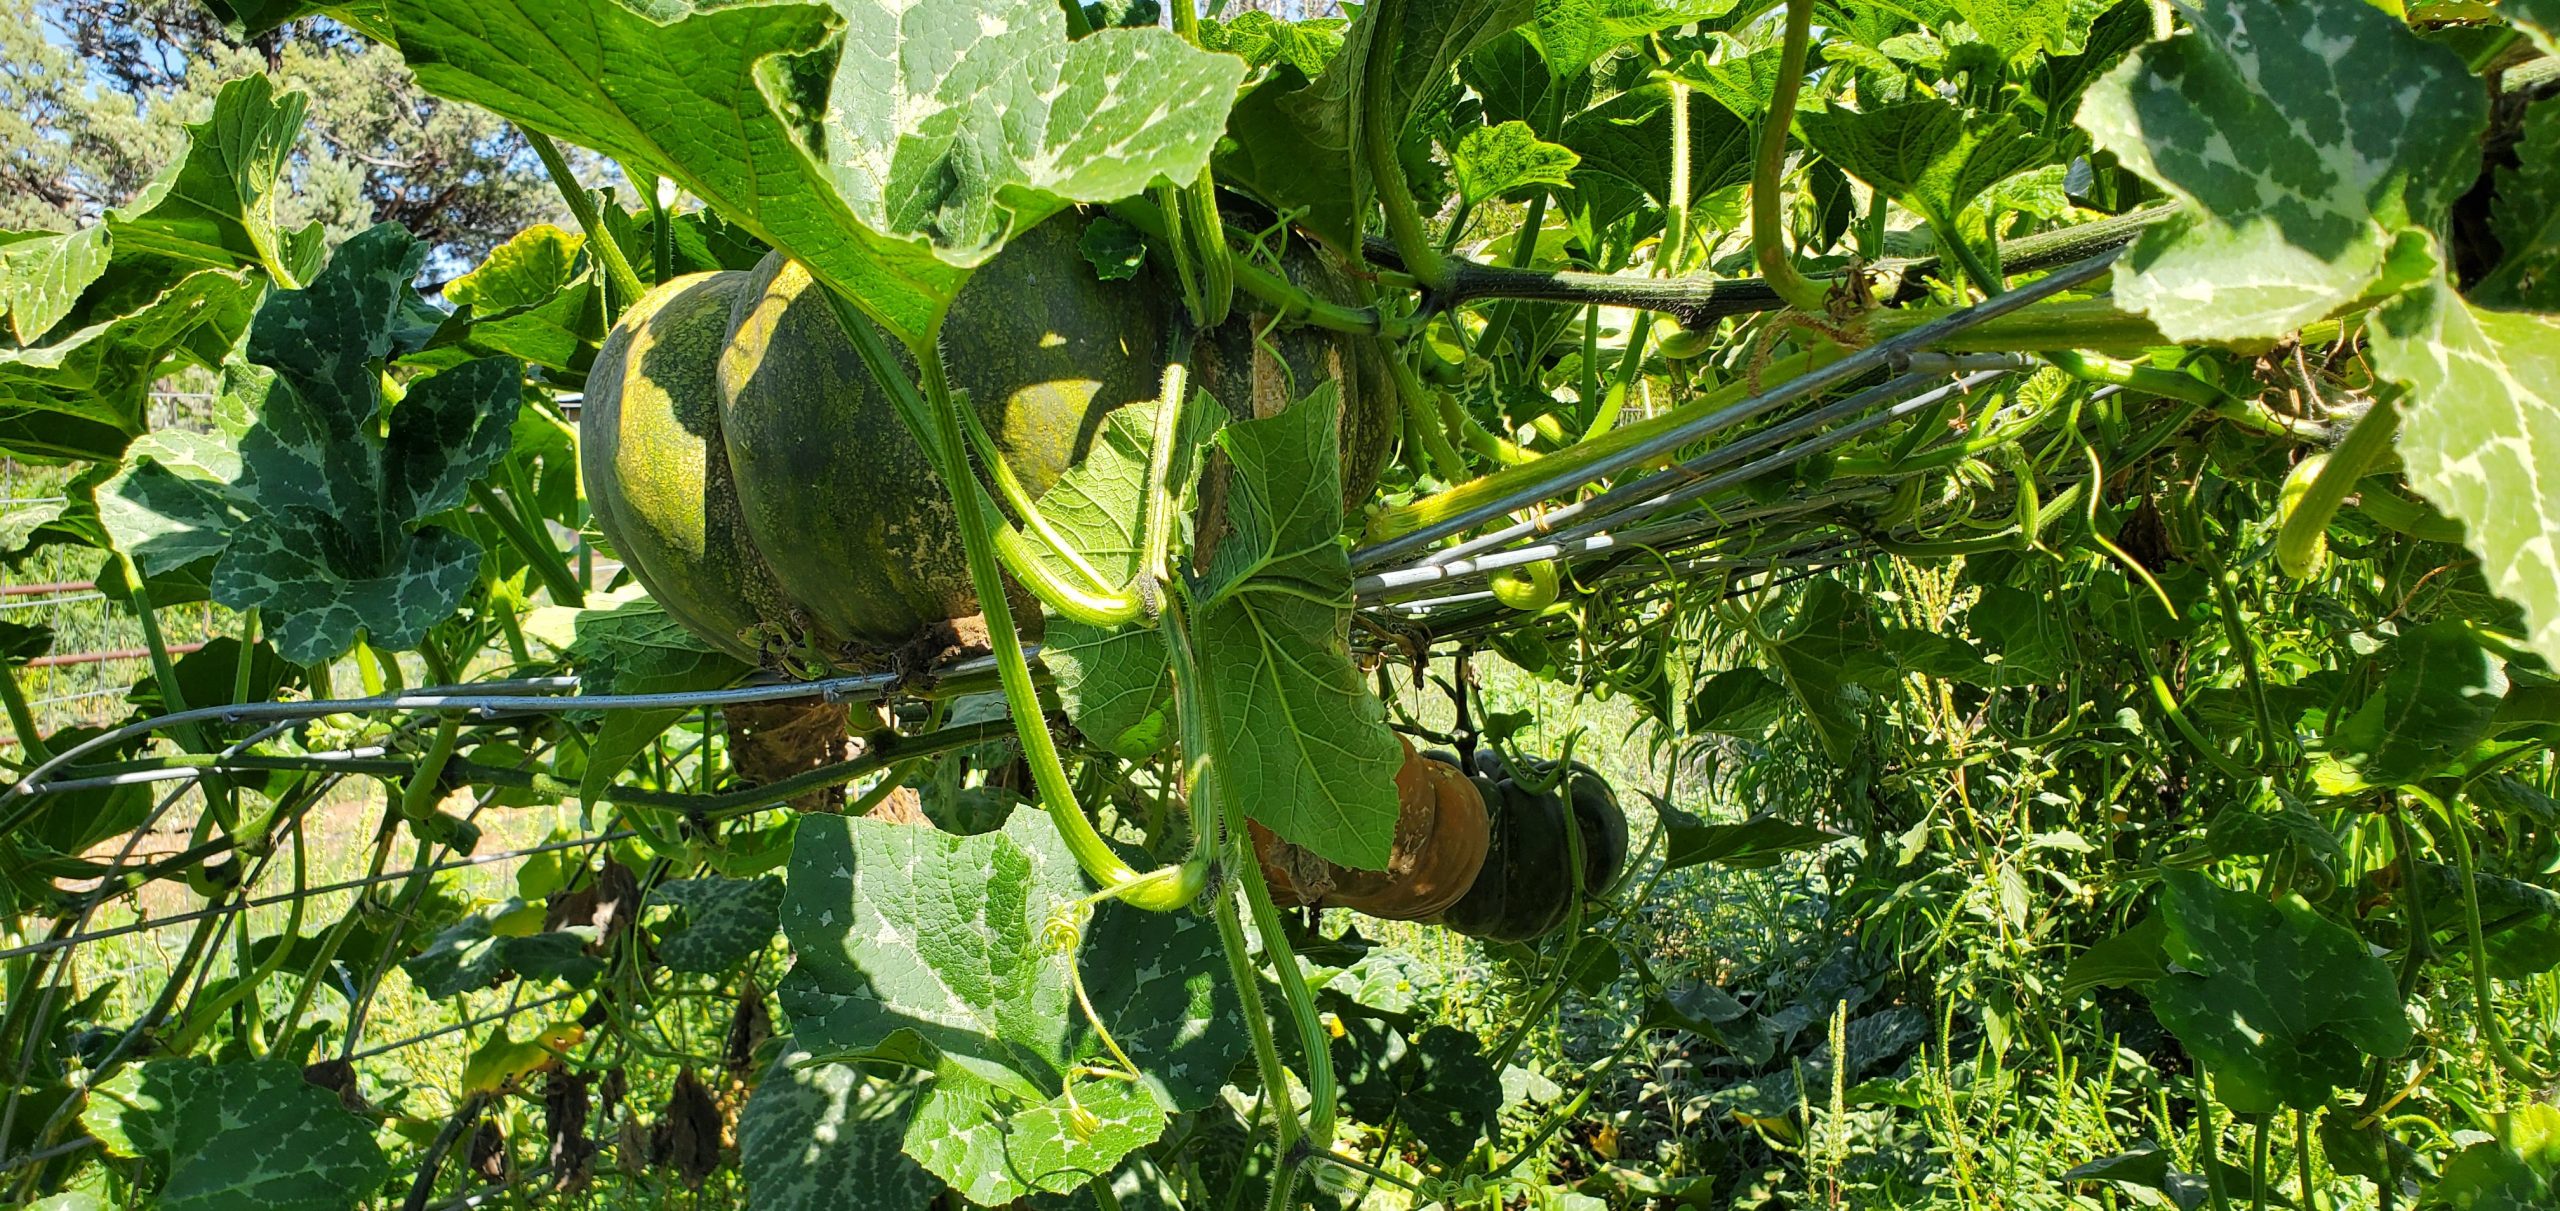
(1017, 496)
(1768, 214)
(625, 283)
(202, 1018)
(934, 419)
(1257, 1015)
(1673, 254)
(1294, 303)
(1302, 1012)
(163, 667)
(2483, 989)
(418, 796)
(1405, 226)
(2302, 537)
(549, 566)
(30, 742)
(1216, 797)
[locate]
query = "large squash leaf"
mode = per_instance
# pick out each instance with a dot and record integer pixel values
(2275, 999)
(815, 1136)
(338, 541)
(1926, 153)
(2303, 138)
(888, 147)
(944, 951)
(216, 205)
(2481, 436)
(965, 121)
(1306, 746)
(237, 1137)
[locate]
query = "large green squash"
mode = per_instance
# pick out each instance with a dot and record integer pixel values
(835, 489)
(657, 472)
(840, 496)
(745, 463)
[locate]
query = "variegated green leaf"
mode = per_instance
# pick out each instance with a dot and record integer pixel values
(816, 1136)
(717, 100)
(995, 1149)
(471, 955)
(2480, 431)
(2303, 138)
(2526, 218)
(725, 921)
(338, 541)
(2275, 999)
(248, 1136)
(965, 121)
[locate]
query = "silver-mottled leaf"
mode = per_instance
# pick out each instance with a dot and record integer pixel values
(725, 921)
(818, 1136)
(2480, 431)
(2303, 137)
(338, 540)
(965, 121)
(237, 1137)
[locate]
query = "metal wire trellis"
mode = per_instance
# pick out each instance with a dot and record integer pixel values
(1660, 523)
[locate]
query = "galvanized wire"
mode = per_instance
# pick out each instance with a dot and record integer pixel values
(493, 699)
(1894, 354)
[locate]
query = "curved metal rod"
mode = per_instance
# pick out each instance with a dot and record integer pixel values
(1614, 501)
(487, 700)
(1894, 354)
(1692, 480)
(1660, 536)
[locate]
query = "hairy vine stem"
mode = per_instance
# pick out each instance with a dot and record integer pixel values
(1768, 215)
(625, 283)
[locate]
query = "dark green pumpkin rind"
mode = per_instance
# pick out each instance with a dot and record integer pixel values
(1523, 892)
(657, 471)
(1255, 374)
(838, 491)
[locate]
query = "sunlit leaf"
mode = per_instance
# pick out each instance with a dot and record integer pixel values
(1307, 751)
(215, 206)
(338, 540)
(42, 273)
(1496, 161)
(2302, 137)
(2480, 434)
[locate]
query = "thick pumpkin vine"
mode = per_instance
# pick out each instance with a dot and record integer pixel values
(1619, 339)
